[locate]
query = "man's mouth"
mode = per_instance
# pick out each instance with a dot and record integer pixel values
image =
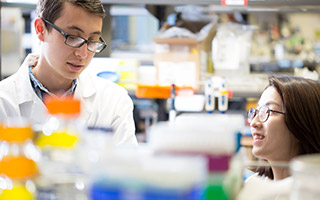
(75, 65)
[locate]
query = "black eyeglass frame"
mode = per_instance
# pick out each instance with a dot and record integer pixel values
(66, 35)
(257, 111)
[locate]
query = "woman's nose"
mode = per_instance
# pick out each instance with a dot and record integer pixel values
(255, 122)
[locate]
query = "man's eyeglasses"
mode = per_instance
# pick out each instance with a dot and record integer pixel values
(76, 41)
(263, 113)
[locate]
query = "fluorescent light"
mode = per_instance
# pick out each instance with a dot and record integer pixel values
(21, 1)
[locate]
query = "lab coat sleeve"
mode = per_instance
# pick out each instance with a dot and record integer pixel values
(8, 100)
(106, 104)
(2, 111)
(124, 122)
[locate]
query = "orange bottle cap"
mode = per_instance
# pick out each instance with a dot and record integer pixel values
(15, 134)
(18, 167)
(68, 105)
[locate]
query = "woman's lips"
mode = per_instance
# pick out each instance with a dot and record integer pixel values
(257, 138)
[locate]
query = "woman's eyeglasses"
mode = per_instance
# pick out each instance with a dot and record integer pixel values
(263, 113)
(76, 41)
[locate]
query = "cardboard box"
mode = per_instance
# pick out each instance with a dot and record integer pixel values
(181, 60)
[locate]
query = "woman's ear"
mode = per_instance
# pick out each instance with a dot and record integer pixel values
(39, 28)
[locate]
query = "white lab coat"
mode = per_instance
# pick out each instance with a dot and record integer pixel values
(104, 103)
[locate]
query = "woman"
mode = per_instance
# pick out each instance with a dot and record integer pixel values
(286, 123)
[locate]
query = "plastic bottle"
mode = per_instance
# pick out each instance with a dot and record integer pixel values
(172, 111)
(96, 145)
(223, 97)
(210, 99)
(61, 176)
(18, 161)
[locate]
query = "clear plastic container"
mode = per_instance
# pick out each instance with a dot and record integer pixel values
(62, 128)
(129, 174)
(96, 144)
(61, 175)
(231, 49)
(305, 170)
(18, 160)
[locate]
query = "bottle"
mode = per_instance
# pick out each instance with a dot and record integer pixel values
(209, 94)
(96, 145)
(61, 176)
(18, 160)
(223, 97)
(172, 111)
(61, 129)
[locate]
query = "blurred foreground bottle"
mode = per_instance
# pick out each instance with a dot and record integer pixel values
(61, 177)
(96, 146)
(18, 161)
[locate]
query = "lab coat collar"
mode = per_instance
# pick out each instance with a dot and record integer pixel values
(86, 87)
(24, 88)
(31, 106)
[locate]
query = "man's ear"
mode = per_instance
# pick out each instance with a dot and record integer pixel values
(40, 28)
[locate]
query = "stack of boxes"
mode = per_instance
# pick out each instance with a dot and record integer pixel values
(181, 60)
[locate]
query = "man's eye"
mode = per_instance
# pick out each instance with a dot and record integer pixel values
(94, 39)
(74, 38)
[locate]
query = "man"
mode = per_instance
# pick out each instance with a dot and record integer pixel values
(70, 35)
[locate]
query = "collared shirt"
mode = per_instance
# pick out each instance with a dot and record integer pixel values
(40, 90)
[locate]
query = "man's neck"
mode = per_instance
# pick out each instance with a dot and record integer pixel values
(51, 82)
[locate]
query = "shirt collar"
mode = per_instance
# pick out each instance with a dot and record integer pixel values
(40, 89)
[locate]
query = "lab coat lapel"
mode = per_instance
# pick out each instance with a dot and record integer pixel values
(85, 91)
(38, 112)
(34, 110)
(24, 89)
(30, 104)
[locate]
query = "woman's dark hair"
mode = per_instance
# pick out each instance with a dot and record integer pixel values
(51, 9)
(301, 103)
